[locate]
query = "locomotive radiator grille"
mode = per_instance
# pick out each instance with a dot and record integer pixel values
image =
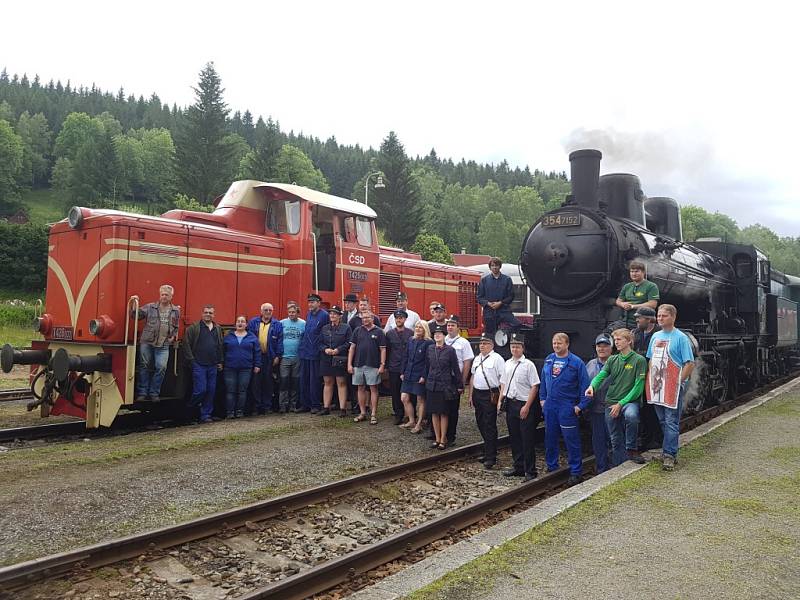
(388, 288)
(467, 306)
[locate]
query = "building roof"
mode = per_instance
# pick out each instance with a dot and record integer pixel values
(467, 260)
(243, 193)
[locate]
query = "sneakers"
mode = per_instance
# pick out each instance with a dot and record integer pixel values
(668, 463)
(141, 399)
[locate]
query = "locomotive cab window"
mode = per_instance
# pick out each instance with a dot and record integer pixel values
(348, 231)
(324, 275)
(283, 216)
(743, 266)
(364, 231)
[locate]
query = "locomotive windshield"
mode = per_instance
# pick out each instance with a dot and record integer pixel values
(283, 216)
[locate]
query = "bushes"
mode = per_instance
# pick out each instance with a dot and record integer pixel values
(23, 257)
(17, 313)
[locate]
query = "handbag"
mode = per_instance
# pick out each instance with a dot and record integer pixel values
(494, 393)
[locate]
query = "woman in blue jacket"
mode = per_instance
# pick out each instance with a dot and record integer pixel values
(334, 343)
(415, 367)
(242, 358)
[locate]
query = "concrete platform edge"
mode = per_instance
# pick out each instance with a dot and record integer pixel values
(438, 565)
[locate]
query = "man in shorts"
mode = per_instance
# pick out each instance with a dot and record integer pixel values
(366, 362)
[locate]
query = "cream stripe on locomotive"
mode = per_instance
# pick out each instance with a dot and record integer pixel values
(428, 285)
(205, 252)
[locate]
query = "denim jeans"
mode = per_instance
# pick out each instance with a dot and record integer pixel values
(290, 383)
(670, 421)
(204, 385)
(600, 441)
(236, 382)
(623, 431)
(152, 366)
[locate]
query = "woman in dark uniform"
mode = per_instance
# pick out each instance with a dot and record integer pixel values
(415, 368)
(443, 384)
(334, 342)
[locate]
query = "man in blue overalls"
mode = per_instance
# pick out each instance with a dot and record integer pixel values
(564, 378)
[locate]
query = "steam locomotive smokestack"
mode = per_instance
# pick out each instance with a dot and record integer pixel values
(585, 173)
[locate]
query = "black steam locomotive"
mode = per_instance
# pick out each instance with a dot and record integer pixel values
(575, 258)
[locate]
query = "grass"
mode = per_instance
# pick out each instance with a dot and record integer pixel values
(18, 336)
(785, 453)
(44, 206)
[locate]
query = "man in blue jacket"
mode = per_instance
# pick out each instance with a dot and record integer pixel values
(269, 332)
(495, 295)
(564, 379)
(310, 382)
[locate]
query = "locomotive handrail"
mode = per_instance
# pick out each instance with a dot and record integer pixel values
(135, 301)
(314, 254)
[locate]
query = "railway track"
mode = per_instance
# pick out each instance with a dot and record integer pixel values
(123, 424)
(304, 543)
(15, 394)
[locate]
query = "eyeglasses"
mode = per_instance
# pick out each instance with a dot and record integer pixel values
(266, 310)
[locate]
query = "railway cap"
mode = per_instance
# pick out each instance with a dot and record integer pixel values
(438, 329)
(645, 311)
(485, 337)
(400, 313)
(438, 307)
(402, 296)
(517, 338)
(453, 319)
(602, 339)
(335, 309)
(316, 297)
(351, 298)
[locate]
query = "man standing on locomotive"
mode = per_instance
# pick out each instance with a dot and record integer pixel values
(310, 381)
(671, 365)
(495, 295)
(160, 331)
(269, 332)
(203, 349)
(637, 293)
(564, 379)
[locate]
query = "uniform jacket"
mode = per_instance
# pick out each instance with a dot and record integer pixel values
(491, 289)
(338, 338)
(241, 355)
(152, 323)
(568, 385)
(443, 372)
(275, 341)
(415, 364)
(191, 336)
(309, 343)
(397, 349)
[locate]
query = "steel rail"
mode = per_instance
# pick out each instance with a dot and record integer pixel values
(15, 394)
(105, 553)
(37, 432)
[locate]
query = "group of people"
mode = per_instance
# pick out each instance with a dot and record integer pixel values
(339, 356)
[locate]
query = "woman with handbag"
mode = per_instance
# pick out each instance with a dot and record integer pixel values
(334, 342)
(415, 368)
(444, 385)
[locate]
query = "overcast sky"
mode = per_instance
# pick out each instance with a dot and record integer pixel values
(699, 99)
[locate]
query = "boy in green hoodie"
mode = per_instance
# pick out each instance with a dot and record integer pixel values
(627, 370)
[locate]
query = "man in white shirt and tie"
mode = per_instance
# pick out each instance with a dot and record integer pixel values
(520, 387)
(487, 370)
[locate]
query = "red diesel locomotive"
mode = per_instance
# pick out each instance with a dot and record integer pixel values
(264, 242)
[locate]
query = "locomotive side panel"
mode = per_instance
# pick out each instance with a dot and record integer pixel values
(211, 278)
(112, 310)
(260, 277)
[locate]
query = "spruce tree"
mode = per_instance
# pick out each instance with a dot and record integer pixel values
(398, 205)
(205, 159)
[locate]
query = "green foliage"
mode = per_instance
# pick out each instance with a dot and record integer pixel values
(492, 236)
(293, 166)
(10, 168)
(432, 247)
(398, 203)
(206, 157)
(183, 202)
(16, 313)
(43, 206)
(23, 256)
(36, 142)
(699, 223)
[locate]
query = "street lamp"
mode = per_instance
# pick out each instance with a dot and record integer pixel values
(378, 185)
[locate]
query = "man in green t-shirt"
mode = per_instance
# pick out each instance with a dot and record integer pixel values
(627, 371)
(637, 293)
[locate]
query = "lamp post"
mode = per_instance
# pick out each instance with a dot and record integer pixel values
(379, 185)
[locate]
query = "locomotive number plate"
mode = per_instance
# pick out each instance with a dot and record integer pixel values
(564, 219)
(63, 333)
(356, 276)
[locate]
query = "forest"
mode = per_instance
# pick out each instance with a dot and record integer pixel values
(100, 149)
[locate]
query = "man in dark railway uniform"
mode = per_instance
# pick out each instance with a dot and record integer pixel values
(310, 380)
(465, 357)
(203, 349)
(637, 293)
(484, 394)
(396, 348)
(519, 388)
(649, 430)
(495, 295)
(269, 332)
(564, 379)
(350, 307)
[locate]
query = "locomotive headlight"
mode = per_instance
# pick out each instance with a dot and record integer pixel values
(43, 324)
(102, 326)
(95, 326)
(500, 338)
(75, 217)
